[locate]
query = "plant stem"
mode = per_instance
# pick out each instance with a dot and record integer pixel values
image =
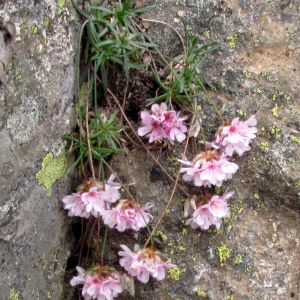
(103, 245)
(140, 140)
(131, 198)
(88, 141)
(172, 193)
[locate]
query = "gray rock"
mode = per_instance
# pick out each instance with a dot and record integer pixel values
(36, 109)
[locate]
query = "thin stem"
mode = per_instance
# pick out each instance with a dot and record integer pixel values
(211, 102)
(103, 245)
(98, 235)
(88, 132)
(132, 198)
(140, 140)
(89, 242)
(172, 193)
(179, 35)
(78, 91)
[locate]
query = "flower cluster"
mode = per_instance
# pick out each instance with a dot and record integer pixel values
(100, 282)
(143, 263)
(92, 197)
(236, 136)
(127, 215)
(212, 167)
(162, 124)
(208, 168)
(209, 210)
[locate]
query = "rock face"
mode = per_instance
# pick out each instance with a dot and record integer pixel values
(255, 254)
(255, 71)
(36, 109)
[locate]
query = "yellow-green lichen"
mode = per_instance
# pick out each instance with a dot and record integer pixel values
(220, 190)
(247, 73)
(269, 77)
(231, 41)
(297, 182)
(61, 3)
(293, 110)
(248, 269)
(201, 292)
(275, 109)
(162, 235)
(238, 259)
(13, 295)
(181, 248)
(18, 75)
(234, 211)
(184, 231)
(34, 29)
(291, 159)
(224, 253)
(171, 243)
(256, 196)
(47, 23)
(207, 34)
(49, 295)
(173, 160)
(215, 230)
(175, 273)
(275, 131)
(294, 139)
(241, 112)
(264, 146)
(252, 161)
(45, 265)
(53, 168)
(274, 239)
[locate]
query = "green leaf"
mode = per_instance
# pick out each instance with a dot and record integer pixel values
(79, 10)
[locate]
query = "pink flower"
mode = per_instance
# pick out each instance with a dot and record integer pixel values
(93, 201)
(143, 263)
(162, 124)
(152, 128)
(75, 205)
(209, 211)
(159, 111)
(97, 199)
(236, 136)
(101, 282)
(218, 205)
(208, 168)
(92, 198)
(174, 128)
(127, 215)
(111, 193)
(203, 218)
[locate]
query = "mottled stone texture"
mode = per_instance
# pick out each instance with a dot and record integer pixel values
(36, 109)
(255, 255)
